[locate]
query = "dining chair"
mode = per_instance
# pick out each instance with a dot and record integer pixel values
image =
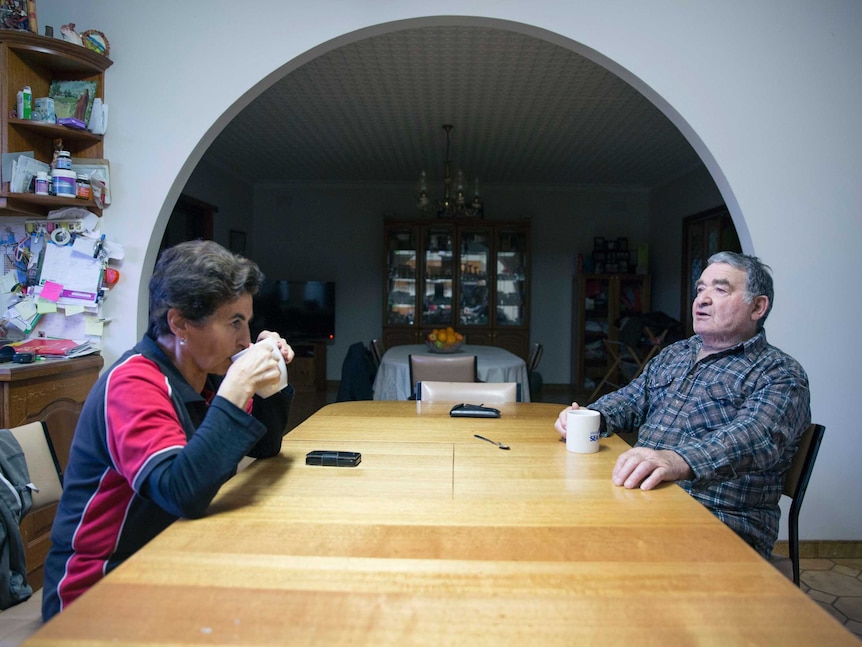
(377, 350)
(535, 357)
(42, 462)
(443, 368)
(474, 393)
(796, 483)
(533, 376)
(629, 354)
(29, 544)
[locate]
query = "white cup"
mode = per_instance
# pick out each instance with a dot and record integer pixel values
(274, 388)
(582, 431)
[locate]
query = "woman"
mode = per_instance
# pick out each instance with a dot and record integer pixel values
(166, 425)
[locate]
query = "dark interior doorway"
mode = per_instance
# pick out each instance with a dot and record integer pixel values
(191, 219)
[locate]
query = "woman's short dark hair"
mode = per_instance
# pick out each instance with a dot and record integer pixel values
(758, 277)
(197, 278)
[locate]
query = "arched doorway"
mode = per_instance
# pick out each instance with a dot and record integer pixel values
(361, 141)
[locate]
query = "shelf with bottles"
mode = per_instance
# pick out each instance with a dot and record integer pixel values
(599, 302)
(30, 60)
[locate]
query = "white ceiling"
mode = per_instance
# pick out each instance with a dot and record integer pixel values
(523, 111)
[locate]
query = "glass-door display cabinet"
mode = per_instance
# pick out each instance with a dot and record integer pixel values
(438, 276)
(471, 276)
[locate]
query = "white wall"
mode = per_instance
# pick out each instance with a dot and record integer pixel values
(767, 92)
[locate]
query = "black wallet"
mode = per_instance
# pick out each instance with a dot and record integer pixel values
(473, 411)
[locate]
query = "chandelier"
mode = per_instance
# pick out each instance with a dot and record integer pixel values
(454, 202)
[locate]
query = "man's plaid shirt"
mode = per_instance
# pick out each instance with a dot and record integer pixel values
(735, 417)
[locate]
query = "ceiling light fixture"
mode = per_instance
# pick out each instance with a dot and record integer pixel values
(454, 202)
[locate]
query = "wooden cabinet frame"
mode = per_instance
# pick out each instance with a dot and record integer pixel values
(28, 59)
(407, 274)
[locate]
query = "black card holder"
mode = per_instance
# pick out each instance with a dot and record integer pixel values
(473, 411)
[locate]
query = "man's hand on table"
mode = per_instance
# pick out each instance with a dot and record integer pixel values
(646, 468)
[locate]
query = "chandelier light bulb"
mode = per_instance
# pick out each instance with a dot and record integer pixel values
(422, 192)
(459, 189)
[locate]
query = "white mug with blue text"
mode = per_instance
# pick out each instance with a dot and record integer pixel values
(582, 431)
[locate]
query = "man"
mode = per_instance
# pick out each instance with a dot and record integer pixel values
(721, 413)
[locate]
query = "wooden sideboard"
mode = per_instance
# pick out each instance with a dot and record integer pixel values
(52, 391)
(307, 371)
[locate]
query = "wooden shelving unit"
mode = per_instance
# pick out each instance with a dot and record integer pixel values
(30, 59)
(600, 301)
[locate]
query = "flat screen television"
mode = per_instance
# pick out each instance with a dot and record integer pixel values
(300, 311)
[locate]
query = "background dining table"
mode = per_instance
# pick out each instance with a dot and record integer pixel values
(440, 538)
(494, 364)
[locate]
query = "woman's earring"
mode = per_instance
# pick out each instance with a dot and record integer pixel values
(182, 341)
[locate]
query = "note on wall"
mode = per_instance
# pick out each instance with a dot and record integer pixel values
(79, 274)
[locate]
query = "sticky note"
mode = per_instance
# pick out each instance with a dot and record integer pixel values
(9, 281)
(46, 307)
(51, 291)
(26, 309)
(94, 327)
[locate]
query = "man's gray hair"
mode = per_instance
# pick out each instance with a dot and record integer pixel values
(758, 277)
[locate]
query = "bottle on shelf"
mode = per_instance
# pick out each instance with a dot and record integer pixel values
(25, 103)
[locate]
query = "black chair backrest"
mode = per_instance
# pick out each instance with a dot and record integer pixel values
(535, 357)
(377, 350)
(799, 473)
(796, 482)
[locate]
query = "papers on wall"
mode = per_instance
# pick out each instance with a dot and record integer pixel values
(50, 290)
(67, 277)
(20, 315)
(71, 325)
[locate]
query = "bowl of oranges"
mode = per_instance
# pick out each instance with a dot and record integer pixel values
(444, 340)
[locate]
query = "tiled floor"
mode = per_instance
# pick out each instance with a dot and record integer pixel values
(835, 584)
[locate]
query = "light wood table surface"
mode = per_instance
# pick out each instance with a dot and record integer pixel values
(439, 538)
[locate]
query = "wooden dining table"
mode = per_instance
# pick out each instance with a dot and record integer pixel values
(440, 538)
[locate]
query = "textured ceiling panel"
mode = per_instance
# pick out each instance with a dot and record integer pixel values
(523, 111)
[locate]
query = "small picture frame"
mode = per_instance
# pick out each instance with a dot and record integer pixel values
(14, 14)
(236, 241)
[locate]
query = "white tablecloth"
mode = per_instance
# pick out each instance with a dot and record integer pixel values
(494, 365)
